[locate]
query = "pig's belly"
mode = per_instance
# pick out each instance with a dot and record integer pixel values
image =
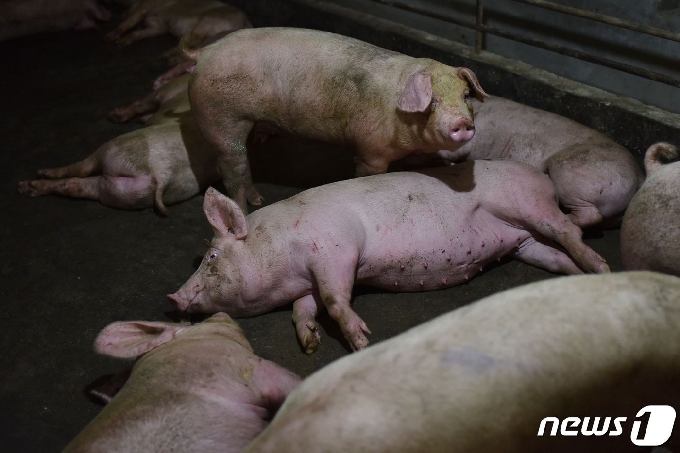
(435, 260)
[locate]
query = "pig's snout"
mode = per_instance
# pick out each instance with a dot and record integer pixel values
(462, 131)
(182, 303)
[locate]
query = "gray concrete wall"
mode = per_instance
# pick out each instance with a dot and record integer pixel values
(637, 49)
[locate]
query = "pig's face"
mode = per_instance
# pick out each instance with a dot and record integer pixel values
(440, 96)
(217, 285)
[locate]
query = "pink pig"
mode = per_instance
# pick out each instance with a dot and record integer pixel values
(381, 104)
(196, 388)
(595, 177)
(400, 231)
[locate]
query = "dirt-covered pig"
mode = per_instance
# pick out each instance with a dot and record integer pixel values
(650, 233)
(400, 231)
(482, 378)
(331, 88)
(595, 178)
(196, 388)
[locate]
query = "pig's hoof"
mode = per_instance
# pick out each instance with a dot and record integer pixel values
(358, 342)
(28, 188)
(603, 269)
(254, 198)
(312, 338)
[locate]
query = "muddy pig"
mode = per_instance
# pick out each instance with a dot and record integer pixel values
(483, 377)
(330, 88)
(199, 20)
(650, 233)
(196, 388)
(27, 17)
(403, 231)
(595, 177)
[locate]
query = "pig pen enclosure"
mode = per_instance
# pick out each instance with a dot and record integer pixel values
(70, 267)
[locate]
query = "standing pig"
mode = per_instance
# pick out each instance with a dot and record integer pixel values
(196, 388)
(650, 233)
(199, 20)
(483, 377)
(595, 177)
(399, 231)
(329, 88)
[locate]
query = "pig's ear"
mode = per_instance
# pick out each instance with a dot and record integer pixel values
(224, 215)
(418, 93)
(134, 338)
(471, 79)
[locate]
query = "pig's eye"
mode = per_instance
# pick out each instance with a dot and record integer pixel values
(466, 95)
(212, 255)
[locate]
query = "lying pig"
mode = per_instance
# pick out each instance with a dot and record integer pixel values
(154, 166)
(196, 388)
(199, 20)
(170, 102)
(486, 376)
(401, 231)
(27, 17)
(595, 178)
(329, 88)
(650, 233)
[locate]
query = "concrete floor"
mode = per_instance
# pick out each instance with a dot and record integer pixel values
(70, 267)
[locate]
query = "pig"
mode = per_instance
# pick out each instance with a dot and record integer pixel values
(595, 177)
(483, 377)
(196, 388)
(165, 163)
(151, 167)
(199, 20)
(402, 231)
(650, 232)
(26, 17)
(330, 88)
(168, 103)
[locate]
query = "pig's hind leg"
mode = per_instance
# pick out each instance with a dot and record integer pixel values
(544, 254)
(305, 310)
(69, 187)
(559, 228)
(335, 279)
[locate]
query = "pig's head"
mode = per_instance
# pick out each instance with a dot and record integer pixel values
(127, 339)
(218, 285)
(438, 99)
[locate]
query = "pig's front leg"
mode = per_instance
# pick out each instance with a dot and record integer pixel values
(367, 165)
(335, 279)
(305, 310)
(546, 257)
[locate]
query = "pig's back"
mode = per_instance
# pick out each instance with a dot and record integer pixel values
(507, 129)
(283, 75)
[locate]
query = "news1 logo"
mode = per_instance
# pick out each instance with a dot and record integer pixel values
(652, 426)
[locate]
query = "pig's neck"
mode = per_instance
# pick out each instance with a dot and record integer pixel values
(279, 278)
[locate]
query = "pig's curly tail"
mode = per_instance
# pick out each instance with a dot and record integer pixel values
(660, 154)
